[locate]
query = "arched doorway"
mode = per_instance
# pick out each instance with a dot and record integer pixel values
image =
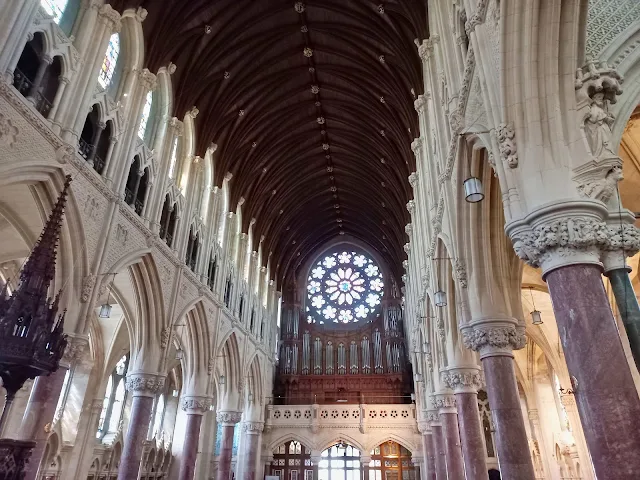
(339, 462)
(292, 461)
(391, 461)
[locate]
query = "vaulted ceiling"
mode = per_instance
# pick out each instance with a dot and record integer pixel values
(311, 107)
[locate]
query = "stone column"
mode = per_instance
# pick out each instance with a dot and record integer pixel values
(195, 407)
(364, 461)
(604, 389)
(37, 81)
(445, 402)
(227, 420)
(428, 454)
(618, 272)
(36, 422)
(143, 387)
(266, 461)
(438, 445)
(252, 431)
(465, 383)
(495, 341)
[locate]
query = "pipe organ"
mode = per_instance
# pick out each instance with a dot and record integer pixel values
(352, 363)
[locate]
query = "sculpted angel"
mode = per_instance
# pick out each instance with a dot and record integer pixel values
(597, 126)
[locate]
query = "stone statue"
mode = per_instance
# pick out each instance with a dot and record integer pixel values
(597, 126)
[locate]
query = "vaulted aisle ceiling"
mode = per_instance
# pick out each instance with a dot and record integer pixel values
(310, 105)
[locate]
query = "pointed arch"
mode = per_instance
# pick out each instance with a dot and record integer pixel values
(229, 393)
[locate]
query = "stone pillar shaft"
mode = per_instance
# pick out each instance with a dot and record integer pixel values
(251, 454)
(452, 447)
(605, 393)
(511, 437)
(190, 448)
(141, 407)
(628, 308)
(473, 446)
(38, 414)
(429, 456)
(228, 421)
(438, 445)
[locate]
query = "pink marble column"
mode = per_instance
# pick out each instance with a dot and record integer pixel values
(446, 405)
(252, 431)
(228, 421)
(143, 387)
(465, 382)
(473, 446)
(511, 437)
(39, 413)
(605, 394)
(438, 447)
(428, 455)
(195, 407)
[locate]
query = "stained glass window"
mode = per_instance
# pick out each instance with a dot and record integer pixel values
(146, 110)
(343, 287)
(55, 8)
(109, 62)
(114, 398)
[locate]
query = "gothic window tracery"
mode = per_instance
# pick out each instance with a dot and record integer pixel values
(144, 119)
(343, 287)
(391, 460)
(341, 461)
(114, 399)
(292, 461)
(109, 62)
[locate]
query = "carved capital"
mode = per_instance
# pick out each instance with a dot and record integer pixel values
(494, 339)
(413, 179)
(195, 404)
(411, 206)
(463, 379)
(432, 417)
(110, 16)
(145, 384)
(408, 229)
(444, 402)
(416, 145)
(77, 346)
(147, 79)
(578, 238)
(420, 103)
(228, 417)
(253, 427)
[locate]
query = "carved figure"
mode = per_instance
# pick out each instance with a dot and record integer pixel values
(602, 189)
(597, 126)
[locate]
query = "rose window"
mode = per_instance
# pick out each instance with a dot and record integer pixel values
(343, 287)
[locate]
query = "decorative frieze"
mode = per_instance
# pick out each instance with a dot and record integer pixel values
(194, 404)
(490, 339)
(478, 16)
(88, 283)
(145, 384)
(228, 418)
(460, 272)
(253, 427)
(463, 380)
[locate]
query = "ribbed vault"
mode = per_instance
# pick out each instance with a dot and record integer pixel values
(310, 105)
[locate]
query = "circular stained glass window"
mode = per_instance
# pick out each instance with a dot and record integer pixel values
(343, 287)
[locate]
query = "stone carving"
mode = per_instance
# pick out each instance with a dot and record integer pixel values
(252, 427)
(463, 379)
(87, 287)
(147, 79)
(491, 338)
(92, 207)
(478, 17)
(408, 229)
(146, 384)
(112, 16)
(566, 236)
(165, 337)
(443, 401)
(411, 206)
(228, 417)
(413, 179)
(8, 131)
(508, 148)
(122, 234)
(65, 153)
(602, 189)
(195, 405)
(460, 272)
(75, 349)
(597, 127)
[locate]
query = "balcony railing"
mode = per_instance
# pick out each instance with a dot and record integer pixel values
(128, 196)
(43, 105)
(98, 164)
(21, 82)
(84, 148)
(139, 205)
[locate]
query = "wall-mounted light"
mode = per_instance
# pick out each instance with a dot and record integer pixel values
(440, 299)
(536, 315)
(105, 310)
(175, 393)
(473, 192)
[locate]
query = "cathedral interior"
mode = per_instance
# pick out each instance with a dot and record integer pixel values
(319, 239)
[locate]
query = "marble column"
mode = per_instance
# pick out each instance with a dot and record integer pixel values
(438, 446)
(227, 420)
(144, 388)
(446, 405)
(428, 455)
(465, 382)
(604, 390)
(496, 341)
(38, 417)
(195, 407)
(365, 460)
(266, 461)
(252, 431)
(628, 307)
